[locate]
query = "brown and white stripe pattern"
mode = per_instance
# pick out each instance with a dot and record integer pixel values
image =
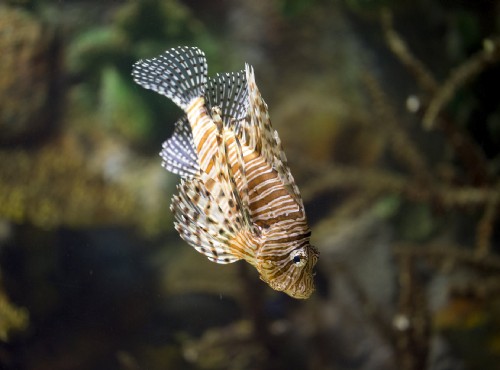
(237, 198)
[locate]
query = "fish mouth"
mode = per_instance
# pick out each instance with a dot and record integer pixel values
(302, 291)
(300, 295)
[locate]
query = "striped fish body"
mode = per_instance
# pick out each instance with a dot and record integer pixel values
(237, 198)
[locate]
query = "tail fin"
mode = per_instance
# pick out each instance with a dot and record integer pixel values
(180, 74)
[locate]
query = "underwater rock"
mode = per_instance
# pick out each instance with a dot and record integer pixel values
(26, 72)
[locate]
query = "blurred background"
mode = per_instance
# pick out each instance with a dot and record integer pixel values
(389, 112)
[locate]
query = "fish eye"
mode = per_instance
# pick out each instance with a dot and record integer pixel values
(299, 257)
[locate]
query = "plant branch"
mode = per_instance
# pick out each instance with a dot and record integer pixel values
(477, 63)
(450, 253)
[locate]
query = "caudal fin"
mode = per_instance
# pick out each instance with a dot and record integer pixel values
(180, 74)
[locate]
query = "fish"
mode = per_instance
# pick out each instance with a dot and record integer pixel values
(237, 199)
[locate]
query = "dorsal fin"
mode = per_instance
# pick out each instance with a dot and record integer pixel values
(229, 92)
(178, 153)
(179, 73)
(258, 133)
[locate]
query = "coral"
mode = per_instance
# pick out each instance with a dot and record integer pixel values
(55, 185)
(27, 64)
(49, 186)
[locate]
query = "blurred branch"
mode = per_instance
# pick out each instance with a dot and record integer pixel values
(479, 288)
(385, 182)
(335, 177)
(352, 215)
(412, 322)
(459, 77)
(410, 330)
(486, 223)
(369, 308)
(254, 304)
(351, 207)
(398, 46)
(404, 148)
(443, 93)
(468, 152)
(450, 253)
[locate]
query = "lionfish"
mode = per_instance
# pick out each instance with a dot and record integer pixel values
(237, 198)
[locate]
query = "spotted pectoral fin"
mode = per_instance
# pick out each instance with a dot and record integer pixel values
(202, 223)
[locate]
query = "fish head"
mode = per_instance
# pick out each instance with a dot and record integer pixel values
(289, 269)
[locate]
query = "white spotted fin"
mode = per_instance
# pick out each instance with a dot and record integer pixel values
(179, 73)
